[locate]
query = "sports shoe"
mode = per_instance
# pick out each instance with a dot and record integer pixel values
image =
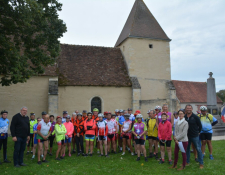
(161, 161)
(196, 160)
(100, 155)
(156, 156)
(170, 162)
(61, 157)
(211, 157)
(7, 161)
(69, 155)
(151, 155)
(90, 154)
(123, 154)
(31, 152)
(85, 155)
(45, 161)
(138, 159)
(112, 151)
(57, 158)
(78, 154)
(74, 151)
(28, 152)
(132, 154)
(39, 162)
(50, 154)
(146, 159)
(17, 166)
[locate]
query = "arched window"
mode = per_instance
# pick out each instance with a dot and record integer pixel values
(96, 103)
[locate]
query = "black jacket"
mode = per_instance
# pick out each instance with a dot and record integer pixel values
(195, 125)
(20, 126)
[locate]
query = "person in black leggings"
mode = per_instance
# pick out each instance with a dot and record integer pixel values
(79, 134)
(52, 136)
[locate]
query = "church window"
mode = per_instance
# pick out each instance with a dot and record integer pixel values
(96, 103)
(150, 46)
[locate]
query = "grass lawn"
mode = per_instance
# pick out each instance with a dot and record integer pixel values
(115, 164)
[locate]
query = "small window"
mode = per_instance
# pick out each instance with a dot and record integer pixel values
(96, 103)
(150, 46)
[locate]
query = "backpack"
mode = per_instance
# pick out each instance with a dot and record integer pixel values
(206, 117)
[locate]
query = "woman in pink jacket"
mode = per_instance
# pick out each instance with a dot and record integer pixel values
(70, 129)
(164, 134)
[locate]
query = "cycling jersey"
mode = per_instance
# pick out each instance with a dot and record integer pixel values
(102, 128)
(126, 125)
(112, 126)
(35, 129)
(168, 118)
(139, 128)
(44, 128)
(4, 124)
(151, 127)
(206, 122)
(32, 123)
(92, 124)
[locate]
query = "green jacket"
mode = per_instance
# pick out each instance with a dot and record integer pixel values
(60, 132)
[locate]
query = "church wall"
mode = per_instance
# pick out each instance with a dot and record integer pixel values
(73, 98)
(32, 94)
(150, 65)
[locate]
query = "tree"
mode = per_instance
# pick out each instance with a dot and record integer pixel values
(221, 94)
(29, 33)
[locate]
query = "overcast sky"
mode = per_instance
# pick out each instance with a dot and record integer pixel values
(197, 30)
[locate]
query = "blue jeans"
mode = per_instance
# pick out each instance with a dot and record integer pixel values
(195, 141)
(19, 149)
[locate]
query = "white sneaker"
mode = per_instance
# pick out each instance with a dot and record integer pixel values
(132, 153)
(123, 153)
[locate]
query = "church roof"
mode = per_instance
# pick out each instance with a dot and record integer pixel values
(92, 66)
(141, 24)
(192, 92)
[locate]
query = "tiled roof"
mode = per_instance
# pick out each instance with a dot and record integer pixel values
(92, 66)
(192, 92)
(141, 24)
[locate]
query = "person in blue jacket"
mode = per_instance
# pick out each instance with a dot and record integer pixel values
(4, 125)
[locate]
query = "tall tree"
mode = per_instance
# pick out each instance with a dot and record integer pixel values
(29, 38)
(221, 94)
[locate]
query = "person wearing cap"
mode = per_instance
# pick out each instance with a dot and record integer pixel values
(207, 121)
(111, 134)
(35, 137)
(89, 127)
(33, 121)
(152, 131)
(4, 125)
(60, 132)
(68, 136)
(79, 134)
(65, 113)
(126, 133)
(102, 131)
(43, 114)
(52, 136)
(164, 134)
(96, 118)
(74, 118)
(20, 131)
(43, 132)
(139, 130)
(84, 115)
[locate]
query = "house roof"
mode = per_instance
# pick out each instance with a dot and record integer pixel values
(91, 66)
(141, 24)
(192, 92)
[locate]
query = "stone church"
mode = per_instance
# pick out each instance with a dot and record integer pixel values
(135, 73)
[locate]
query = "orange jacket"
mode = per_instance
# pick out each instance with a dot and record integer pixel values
(78, 127)
(84, 118)
(96, 119)
(91, 123)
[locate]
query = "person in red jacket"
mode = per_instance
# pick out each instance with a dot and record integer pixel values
(70, 129)
(89, 127)
(164, 134)
(79, 134)
(102, 131)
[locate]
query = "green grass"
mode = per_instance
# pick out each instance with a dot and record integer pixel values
(115, 164)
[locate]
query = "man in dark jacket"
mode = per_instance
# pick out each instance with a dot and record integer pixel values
(194, 130)
(20, 130)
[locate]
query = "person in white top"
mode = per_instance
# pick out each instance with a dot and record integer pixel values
(112, 130)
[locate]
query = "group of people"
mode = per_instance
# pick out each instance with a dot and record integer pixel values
(123, 129)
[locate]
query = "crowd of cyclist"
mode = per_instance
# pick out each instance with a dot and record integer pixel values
(122, 132)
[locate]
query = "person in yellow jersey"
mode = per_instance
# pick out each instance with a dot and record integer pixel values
(33, 121)
(152, 132)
